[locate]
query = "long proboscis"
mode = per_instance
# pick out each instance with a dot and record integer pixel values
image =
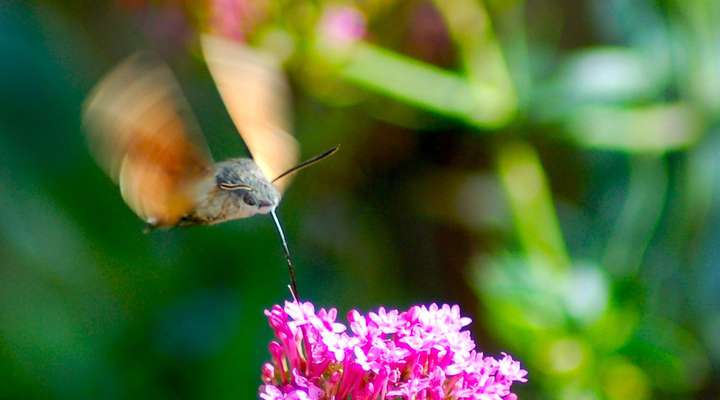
(291, 268)
(309, 162)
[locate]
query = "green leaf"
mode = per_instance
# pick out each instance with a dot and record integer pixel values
(529, 195)
(650, 129)
(425, 86)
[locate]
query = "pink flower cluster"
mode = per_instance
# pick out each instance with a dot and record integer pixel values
(420, 354)
(342, 26)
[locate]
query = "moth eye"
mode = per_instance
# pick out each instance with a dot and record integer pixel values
(249, 199)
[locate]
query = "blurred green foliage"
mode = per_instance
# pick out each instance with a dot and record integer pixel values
(552, 166)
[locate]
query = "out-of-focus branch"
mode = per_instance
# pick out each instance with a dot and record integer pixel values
(530, 199)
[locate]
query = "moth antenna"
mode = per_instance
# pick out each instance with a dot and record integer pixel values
(291, 268)
(309, 162)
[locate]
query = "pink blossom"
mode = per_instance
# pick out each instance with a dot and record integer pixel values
(421, 353)
(342, 26)
(235, 19)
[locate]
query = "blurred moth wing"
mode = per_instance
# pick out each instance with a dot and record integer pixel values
(256, 95)
(141, 131)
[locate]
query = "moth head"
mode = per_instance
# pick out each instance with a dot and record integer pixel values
(244, 183)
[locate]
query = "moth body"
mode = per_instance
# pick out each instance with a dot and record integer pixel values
(142, 133)
(237, 189)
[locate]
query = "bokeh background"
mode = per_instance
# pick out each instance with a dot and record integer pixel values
(550, 165)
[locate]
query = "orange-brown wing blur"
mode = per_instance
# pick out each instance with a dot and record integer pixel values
(256, 95)
(141, 132)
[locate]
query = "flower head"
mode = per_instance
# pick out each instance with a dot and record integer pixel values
(235, 19)
(341, 26)
(421, 353)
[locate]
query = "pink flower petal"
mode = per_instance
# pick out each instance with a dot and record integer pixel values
(423, 353)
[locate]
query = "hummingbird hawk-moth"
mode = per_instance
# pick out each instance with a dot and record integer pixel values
(142, 133)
